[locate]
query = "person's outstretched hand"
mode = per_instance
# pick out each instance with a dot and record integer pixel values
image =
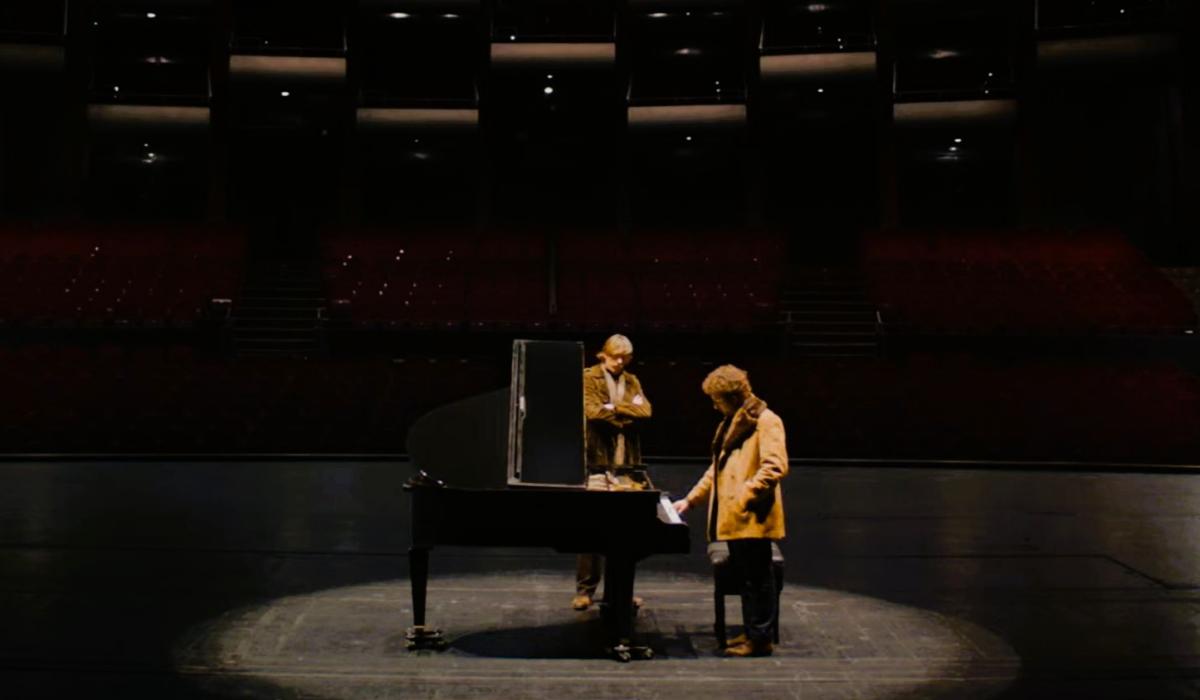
(681, 506)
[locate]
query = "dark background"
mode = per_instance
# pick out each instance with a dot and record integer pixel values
(558, 212)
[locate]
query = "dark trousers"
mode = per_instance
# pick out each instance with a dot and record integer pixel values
(588, 572)
(751, 562)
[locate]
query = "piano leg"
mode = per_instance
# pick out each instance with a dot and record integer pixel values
(618, 608)
(419, 636)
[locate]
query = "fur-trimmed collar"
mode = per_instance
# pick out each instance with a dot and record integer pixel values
(734, 430)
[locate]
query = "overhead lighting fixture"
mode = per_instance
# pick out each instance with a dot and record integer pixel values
(659, 15)
(687, 52)
(548, 90)
(449, 15)
(399, 15)
(151, 15)
(958, 140)
(285, 93)
(820, 91)
(943, 53)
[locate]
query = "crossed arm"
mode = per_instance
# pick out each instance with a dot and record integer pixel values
(635, 405)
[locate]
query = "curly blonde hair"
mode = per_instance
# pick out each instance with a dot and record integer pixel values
(729, 381)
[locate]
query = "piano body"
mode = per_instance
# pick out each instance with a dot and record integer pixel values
(506, 469)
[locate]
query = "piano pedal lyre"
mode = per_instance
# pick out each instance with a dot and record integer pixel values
(422, 637)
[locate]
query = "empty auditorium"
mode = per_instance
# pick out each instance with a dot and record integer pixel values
(600, 349)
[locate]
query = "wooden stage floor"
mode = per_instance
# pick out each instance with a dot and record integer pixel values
(287, 579)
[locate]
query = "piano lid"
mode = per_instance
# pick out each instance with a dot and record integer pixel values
(464, 443)
(530, 434)
(545, 440)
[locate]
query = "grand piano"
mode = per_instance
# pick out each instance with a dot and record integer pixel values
(507, 469)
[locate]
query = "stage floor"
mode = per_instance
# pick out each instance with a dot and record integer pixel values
(288, 580)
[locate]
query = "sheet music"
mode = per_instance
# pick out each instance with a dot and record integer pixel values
(666, 511)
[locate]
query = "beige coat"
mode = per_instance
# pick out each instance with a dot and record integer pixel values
(604, 425)
(749, 460)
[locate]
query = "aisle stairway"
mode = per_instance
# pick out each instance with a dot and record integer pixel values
(279, 309)
(824, 312)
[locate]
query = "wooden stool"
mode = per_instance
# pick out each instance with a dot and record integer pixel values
(726, 583)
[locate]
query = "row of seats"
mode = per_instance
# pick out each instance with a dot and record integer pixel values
(143, 275)
(1021, 281)
(949, 406)
(666, 280)
(174, 399)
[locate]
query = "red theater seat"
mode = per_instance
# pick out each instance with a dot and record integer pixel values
(1020, 281)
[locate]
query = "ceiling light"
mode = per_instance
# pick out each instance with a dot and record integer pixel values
(399, 15)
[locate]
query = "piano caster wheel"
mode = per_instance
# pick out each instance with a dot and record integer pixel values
(625, 653)
(425, 638)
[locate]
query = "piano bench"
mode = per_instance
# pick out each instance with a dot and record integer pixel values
(726, 583)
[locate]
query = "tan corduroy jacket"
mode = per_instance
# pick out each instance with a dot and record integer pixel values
(749, 461)
(603, 425)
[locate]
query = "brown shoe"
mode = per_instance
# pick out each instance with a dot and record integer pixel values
(736, 640)
(581, 602)
(750, 648)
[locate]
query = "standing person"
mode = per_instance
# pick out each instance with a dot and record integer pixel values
(614, 406)
(745, 501)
